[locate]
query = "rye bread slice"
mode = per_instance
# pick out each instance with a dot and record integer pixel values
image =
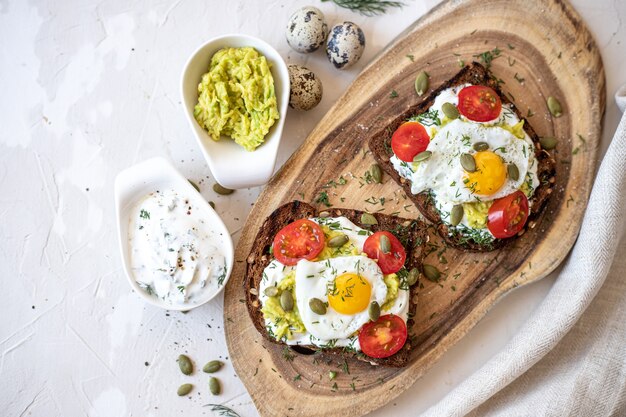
(412, 233)
(380, 145)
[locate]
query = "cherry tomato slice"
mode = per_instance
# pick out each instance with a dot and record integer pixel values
(408, 140)
(508, 215)
(390, 262)
(302, 239)
(383, 337)
(479, 103)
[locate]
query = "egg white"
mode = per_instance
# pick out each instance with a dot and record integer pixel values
(333, 329)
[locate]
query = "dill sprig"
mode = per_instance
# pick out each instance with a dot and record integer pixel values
(222, 410)
(367, 7)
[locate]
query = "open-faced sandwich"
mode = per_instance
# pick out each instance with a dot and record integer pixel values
(469, 161)
(341, 281)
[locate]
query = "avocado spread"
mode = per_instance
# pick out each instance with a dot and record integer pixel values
(236, 97)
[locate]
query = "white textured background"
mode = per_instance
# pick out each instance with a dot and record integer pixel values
(88, 88)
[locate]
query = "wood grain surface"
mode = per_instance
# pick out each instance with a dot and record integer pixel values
(543, 49)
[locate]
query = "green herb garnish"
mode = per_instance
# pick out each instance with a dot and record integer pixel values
(367, 7)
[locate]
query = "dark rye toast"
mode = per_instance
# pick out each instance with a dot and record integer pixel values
(380, 145)
(412, 234)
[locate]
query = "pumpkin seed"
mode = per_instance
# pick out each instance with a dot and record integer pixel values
(377, 173)
(431, 272)
(422, 156)
(513, 172)
(374, 311)
(468, 162)
(555, 107)
(385, 244)
(456, 214)
(185, 365)
(222, 190)
(324, 214)
(338, 241)
(271, 291)
(480, 146)
(286, 301)
(548, 142)
(194, 186)
(184, 389)
(317, 306)
(212, 366)
(332, 375)
(214, 386)
(421, 83)
(450, 111)
(412, 276)
(368, 219)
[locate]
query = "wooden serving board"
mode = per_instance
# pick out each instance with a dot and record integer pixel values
(544, 50)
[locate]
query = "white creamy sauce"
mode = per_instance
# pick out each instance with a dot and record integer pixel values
(313, 284)
(174, 254)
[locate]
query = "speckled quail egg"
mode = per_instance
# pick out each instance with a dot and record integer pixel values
(306, 30)
(306, 88)
(345, 45)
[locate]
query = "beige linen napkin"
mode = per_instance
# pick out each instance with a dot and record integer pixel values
(569, 358)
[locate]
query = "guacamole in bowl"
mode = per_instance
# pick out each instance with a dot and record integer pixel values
(236, 97)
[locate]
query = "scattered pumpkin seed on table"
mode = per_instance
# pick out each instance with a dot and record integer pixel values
(215, 386)
(184, 389)
(213, 366)
(222, 190)
(185, 365)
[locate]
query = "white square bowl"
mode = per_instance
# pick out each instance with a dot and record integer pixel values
(232, 166)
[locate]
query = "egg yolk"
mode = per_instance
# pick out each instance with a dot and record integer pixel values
(350, 294)
(489, 176)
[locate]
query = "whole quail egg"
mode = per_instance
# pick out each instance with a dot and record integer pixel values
(306, 30)
(306, 88)
(345, 45)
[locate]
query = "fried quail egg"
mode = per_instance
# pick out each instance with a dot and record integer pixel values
(306, 88)
(306, 30)
(345, 45)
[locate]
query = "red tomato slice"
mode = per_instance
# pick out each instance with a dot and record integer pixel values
(390, 262)
(508, 215)
(408, 140)
(479, 103)
(302, 239)
(383, 337)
